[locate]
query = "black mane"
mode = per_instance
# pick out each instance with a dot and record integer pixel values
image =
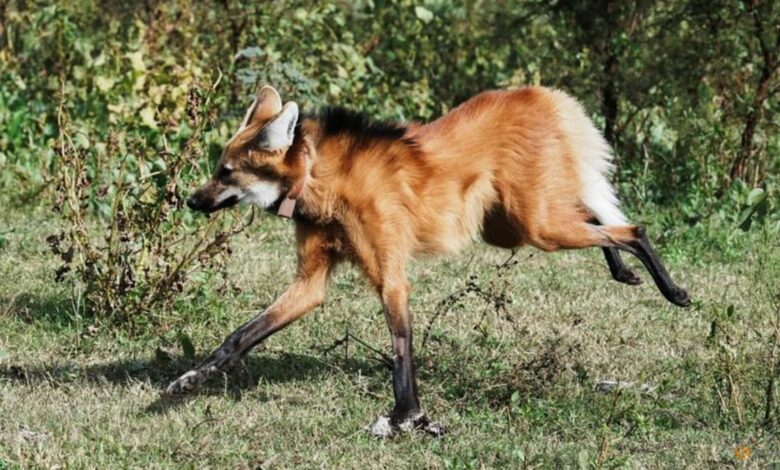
(337, 120)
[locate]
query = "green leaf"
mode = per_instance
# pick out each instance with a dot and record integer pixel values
(583, 460)
(757, 209)
(300, 14)
(81, 140)
(762, 208)
(147, 118)
(104, 83)
(159, 164)
(745, 218)
(186, 346)
(20, 83)
(425, 15)
(250, 53)
(756, 196)
(136, 61)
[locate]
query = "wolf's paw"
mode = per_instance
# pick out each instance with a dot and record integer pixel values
(382, 427)
(385, 427)
(628, 276)
(186, 383)
(679, 296)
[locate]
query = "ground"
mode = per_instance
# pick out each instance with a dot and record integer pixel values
(544, 362)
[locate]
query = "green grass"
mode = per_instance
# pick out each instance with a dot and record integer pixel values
(515, 384)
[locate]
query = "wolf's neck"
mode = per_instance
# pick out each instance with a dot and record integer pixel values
(318, 201)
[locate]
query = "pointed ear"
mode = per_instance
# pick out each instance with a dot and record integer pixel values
(266, 105)
(279, 133)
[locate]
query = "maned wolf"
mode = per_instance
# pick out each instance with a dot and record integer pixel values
(518, 167)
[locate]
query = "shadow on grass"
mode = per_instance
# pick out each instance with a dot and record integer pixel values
(56, 308)
(159, 371)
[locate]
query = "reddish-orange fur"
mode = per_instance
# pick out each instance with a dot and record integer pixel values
(498, 164)
(506, 164)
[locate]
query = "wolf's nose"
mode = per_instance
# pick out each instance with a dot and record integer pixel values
(192, 203)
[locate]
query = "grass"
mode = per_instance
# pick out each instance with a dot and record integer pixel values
(512, 366)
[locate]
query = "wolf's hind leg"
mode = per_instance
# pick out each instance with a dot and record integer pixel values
(630, 238)
(639, 246)
(619, 269)
(568, 236)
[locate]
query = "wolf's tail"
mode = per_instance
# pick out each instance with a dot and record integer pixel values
(594, 161)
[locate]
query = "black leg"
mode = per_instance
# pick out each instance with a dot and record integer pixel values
(642, 249)
(306, 293)
(407, 404)
(620, 271)
(406, 414)
(230, 352)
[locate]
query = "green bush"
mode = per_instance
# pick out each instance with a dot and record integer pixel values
(127, 244)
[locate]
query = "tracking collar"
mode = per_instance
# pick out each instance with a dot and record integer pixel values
(287, 207)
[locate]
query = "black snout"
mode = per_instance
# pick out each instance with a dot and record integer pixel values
(206, 204)
(193, 202)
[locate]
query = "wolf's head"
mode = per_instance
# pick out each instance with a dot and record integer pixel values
(259, 165)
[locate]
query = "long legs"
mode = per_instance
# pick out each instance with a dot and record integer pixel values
(641, 248)
(406, 414)
(305, 293)
(618, 268)
(502, 230)
(630, 238)
(395, 300)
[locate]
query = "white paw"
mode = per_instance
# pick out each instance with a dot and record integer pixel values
(381, 427)
(435, 429)
(184, 383)
(413, 422)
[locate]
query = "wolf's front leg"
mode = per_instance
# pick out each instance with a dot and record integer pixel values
(306, 293)
(407, 413)
(240, 342)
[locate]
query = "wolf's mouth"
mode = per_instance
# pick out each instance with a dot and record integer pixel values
(227, 202)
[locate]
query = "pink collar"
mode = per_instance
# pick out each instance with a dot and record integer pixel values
(287, 207)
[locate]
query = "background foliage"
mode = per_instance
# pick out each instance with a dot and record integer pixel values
(112, 112)
(686, 91)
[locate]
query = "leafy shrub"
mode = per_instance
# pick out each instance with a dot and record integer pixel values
(127, 246)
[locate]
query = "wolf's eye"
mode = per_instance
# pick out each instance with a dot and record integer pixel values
(224, 172)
